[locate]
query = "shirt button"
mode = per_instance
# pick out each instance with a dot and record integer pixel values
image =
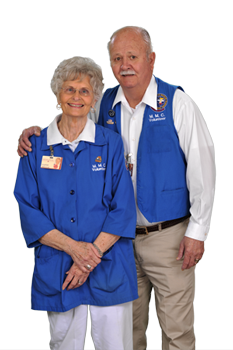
(71, 164)
(72, 219)
(72, 192)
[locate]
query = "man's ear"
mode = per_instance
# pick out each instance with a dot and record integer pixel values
(152, 57)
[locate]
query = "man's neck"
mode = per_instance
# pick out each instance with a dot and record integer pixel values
(135, 94)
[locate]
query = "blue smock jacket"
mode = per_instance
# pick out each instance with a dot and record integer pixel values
(82, 199)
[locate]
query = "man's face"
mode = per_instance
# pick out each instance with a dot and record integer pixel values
(129, 61)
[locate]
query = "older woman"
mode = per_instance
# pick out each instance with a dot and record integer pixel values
(77, 210)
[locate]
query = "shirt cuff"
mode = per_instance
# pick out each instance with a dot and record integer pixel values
(197, 231)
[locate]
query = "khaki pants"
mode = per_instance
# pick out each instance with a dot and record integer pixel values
(157, 268)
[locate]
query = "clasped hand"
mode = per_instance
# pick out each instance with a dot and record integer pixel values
(85, 256)
(75, 278)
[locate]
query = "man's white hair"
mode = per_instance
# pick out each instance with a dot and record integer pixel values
(139, 30)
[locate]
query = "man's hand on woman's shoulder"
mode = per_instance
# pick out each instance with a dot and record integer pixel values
(24, 143)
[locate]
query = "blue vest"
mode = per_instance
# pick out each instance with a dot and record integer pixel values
(162, 192)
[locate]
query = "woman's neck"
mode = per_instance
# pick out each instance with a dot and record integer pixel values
(71, 128)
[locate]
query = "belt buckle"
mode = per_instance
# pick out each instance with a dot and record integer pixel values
(145, 228)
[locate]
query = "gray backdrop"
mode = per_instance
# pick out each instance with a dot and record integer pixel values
(29, 56)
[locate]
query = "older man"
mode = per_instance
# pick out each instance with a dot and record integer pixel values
(170, 155)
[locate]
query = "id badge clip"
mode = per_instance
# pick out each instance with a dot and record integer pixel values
(129, 164)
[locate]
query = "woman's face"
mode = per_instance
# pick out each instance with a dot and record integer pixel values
(76, 103)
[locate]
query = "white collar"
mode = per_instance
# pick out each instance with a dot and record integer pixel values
(149, 98)
(54, 136)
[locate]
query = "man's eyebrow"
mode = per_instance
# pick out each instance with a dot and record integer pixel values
(116, 54)
(128, 52)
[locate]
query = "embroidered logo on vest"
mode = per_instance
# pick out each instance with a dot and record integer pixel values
(161, 102)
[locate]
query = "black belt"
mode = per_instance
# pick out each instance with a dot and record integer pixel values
(144, 230)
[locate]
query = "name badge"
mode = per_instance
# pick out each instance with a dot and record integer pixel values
(54, 163)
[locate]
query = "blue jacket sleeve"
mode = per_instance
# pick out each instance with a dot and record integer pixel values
(33, 222)
(121, 219)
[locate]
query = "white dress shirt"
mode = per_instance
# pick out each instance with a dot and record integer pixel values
(196, 143)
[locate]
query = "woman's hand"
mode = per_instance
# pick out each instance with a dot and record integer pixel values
(75, 278)
(84, 255)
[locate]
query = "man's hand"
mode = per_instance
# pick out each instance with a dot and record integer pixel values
(191, 250)
(24, 143)
(75, 278)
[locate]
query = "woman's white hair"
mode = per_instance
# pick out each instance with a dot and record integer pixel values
(77, 68)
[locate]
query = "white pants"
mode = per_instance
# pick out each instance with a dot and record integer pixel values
(111, 327)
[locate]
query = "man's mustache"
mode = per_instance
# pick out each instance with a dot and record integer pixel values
(127, 72)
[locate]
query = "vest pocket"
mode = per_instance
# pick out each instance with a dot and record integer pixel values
(175, 202)
(174, 192)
